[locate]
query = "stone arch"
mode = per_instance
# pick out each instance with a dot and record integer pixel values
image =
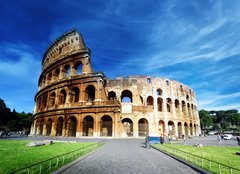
(49, 78)
(106, 125)
(143, 127)
(90, 93)
(66, 71)
(191, 129)
(77, 68)
(59, 126)
(128, 126)
(177, 105)
(187, 97)
(195, 129)
(88, 125)
(169, 103)
(52, 99)
(75, 94)
(183, 106)
(150, 101)
(41, 127)
(161, 127)
(180, 130)
(49, 127)
(159, 91)
(56, 74)
(160, 104)
(126, 96)
(189, 109)
(62, 97)
(72, 126)
(171, 128)
(112, 95)
(186, 129)
(44, 101)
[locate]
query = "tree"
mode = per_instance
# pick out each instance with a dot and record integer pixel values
(205, 119)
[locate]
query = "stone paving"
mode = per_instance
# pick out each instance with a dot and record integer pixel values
(128, 157)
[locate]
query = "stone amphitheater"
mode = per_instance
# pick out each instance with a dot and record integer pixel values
(72, 100)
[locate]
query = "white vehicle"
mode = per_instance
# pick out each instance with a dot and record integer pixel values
(227, 136)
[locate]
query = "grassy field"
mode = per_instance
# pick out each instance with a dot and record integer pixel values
(221, 154)
(14, 154)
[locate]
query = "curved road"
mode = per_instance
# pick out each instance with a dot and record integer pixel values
(125, 157)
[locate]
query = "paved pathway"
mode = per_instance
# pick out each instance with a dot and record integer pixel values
(128, 157)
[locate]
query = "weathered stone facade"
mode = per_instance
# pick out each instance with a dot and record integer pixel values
(72, 100)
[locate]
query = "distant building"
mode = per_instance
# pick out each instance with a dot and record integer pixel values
(72, 100)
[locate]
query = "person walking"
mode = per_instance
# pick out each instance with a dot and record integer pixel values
(238, 140)
(147, 142)
(184, 139)
(219, 138)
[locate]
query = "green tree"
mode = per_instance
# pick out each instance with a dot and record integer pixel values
(205, 119)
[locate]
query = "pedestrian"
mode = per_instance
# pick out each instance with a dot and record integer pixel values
(169, 139)
(147, 142)
(184, 139)
(238, 141)
(219, 138)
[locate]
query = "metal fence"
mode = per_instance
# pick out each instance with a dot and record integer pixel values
(51, 164)
(204, 163)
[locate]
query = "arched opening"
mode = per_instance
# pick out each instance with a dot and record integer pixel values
(78, 68)
(62, 97)
(192, 110)
(112, 95)
(75, 93)
(90, 93)
(44, 101)
(44, 81)
(88, 126)
(142, 127)
(49, 126)
(49, 78)
(41, 127)
(171, 128)
(56, 74)
(106, 126)
(195, 130)
(67, 70)
(59, 126)
(160, 104)
(180, 130)
(127, 126)
(72, 126)
(169, 103)
(187, 97)
(177, 105)
(52, 99)
(161, 127)
(183, 107)
(189, 110)
(36, 127)
(159, 92)
(150, 101)
(186, 129)
(126, 96)
(191, 129)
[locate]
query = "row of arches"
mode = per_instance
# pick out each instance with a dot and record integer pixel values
(64, 95)
(178, 106)
(69, 127)
(62, 72)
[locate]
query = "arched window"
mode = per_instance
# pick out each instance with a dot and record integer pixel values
(62, 97)
(111, 95)
(126, 96)
(160, 104)
(169, 102)
(90, 93)
(106, 126)
(150, 100)
(75, 92)
(159, 92)
(78, 68)
(52, 99)
(56, 74)
(67, 70)
(187, 97)
(183, 107)
(49, 78)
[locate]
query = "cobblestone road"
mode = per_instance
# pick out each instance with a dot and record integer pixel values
(128, 157)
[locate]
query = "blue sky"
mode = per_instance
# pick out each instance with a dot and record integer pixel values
(194, 42)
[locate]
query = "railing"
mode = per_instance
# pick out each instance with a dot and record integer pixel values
(204, 163)
(51, 164)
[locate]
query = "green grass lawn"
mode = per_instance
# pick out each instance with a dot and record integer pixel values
(221, 154)
(14, 154)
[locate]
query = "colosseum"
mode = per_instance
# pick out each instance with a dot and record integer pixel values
(72, 100)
